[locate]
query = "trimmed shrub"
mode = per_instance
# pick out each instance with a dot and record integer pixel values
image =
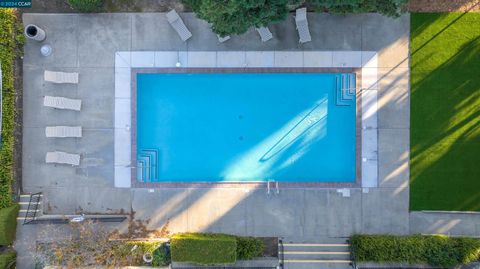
(8, 224)
(87, 5)
(204, 249)
(237, 16)
(7, 260)
(416, 249)
(249, 248)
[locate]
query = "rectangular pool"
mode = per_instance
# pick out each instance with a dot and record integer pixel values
(244, 127)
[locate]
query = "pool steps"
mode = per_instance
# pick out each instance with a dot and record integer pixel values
(147, 165)
(345, 89)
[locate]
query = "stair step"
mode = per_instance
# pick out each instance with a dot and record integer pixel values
(317, 261)
(316, 245)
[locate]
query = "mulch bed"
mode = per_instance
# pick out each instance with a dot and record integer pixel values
(444, 6)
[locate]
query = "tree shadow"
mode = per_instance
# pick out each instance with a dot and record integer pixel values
(445, 132)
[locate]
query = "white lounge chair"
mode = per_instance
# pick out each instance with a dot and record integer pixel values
(264, 33)
(62, 103)
(223, 39)
(302, 25)
(177, 24)
(63, 131)
(61, 77)
(60, 157)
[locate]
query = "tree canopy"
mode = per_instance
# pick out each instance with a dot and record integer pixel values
(237, 16)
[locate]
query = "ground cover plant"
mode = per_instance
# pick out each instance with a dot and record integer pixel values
(437, 250)
(87, 5)
(7, 260)
(8, 224)
(445, 111)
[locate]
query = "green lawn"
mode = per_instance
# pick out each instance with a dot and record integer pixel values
(445, 111)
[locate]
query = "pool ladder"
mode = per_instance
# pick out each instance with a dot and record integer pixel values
(275, 185)
(345, 89)
(147, 165)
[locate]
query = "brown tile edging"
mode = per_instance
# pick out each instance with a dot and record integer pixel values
(358, 128)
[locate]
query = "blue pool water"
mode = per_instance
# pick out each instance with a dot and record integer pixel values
(245, 127)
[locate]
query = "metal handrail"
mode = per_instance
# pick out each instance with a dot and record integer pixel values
(32, 204)
(282, 255)
(352, 254)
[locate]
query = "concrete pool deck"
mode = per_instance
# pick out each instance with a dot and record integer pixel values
(87, 44)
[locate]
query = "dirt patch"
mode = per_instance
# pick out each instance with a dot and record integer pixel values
(138, 229)
(444, 6)
(271, 246)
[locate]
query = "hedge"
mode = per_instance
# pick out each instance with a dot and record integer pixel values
(205, 249)
(8, 224)
(434, 250)
(249, 248)
(10, 38)
(7, 260)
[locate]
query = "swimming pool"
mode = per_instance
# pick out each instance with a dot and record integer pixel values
(245, 127)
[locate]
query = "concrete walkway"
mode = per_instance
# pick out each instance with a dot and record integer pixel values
(87, 44)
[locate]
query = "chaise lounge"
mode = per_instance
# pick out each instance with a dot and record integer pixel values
(62, 103)
(178, 25)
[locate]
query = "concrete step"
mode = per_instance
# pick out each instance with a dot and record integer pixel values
(23, 212)
(322, 253)
(26, 197)
(316, 265)
(317, 247)
(317, 255)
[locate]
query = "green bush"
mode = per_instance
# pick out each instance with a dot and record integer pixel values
(7, 260)
(205, 249)
(416, 249)
(161, 256)
(87, 5)
(11, 38)
(237, 16)
(249, 248)
(8, 224)
(392, 8)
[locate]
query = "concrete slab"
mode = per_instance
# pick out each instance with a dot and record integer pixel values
(454, 224)
(279, 214)
(162, 207)
(288, 58)
(166, 58)
(260, 58)
(394, 98)
(393, 157)
(202, 59)
(334, 32)
(62, 35)
(143, 58)
(227, 59)
(151, 32)
(344, 213)
(385, 210)
(388, 36)
(318, 59)
(98, 37)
